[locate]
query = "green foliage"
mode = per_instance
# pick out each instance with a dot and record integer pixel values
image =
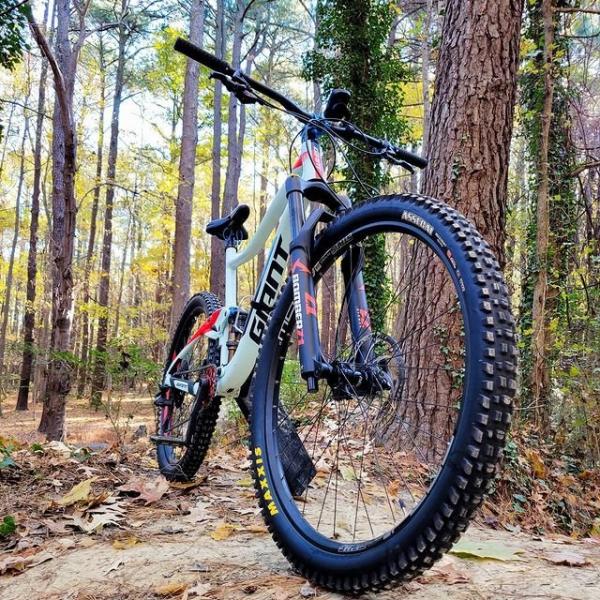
(351, 52)
(8, 526)
(561, 158)
(12, 40)
(6, 450)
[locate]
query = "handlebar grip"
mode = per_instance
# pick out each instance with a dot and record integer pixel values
(205, 58)
(410, 158)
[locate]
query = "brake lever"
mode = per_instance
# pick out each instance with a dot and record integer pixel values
(238, 87)
(400, 163)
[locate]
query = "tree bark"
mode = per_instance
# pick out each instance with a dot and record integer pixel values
(539, 377)
(233, 151)
(472, 113)
(187, 164)
(217, 258)
(64, 212)
(84, 358)
(113, 151)
(469, 142)
(13, 249)
(29, 316)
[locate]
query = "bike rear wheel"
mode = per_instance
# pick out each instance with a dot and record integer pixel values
(400, 471)
(178, 414)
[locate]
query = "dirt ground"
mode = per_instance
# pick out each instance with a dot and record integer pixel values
(207, 540)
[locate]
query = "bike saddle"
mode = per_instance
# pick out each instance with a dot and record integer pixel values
(232, 225)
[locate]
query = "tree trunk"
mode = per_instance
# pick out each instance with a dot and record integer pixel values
(539, 378)
(469, 143)
(425, 60)
(233, 150)
(187, 164)
(13, 247)
(472, 113)
(85, 320)
(29, 317)
(64, 211)
(104, 287)
(217, 257)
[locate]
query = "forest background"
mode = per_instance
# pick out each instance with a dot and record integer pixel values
(115, 153)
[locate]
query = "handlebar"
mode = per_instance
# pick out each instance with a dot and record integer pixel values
(344, 129)
(220, 66)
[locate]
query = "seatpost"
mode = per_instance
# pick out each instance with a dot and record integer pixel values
(305, 303)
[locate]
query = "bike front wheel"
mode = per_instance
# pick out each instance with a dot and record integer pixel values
(398, 469)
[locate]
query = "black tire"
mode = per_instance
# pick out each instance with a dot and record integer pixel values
(475, 447)
(185, 466)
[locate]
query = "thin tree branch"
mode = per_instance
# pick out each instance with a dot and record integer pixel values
(59, 80)
(569, 9)
(23, 106)
(583, 167)
(8, 10)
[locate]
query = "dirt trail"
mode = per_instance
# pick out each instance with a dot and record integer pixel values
(208, 540)
(171, 556)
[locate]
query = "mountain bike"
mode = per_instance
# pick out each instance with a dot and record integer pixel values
(375, 434)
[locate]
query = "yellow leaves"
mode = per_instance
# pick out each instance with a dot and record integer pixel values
(246, 482)
(537, 464)
(173, 588)
(78, 493)
(222, 531)
(126, 542)
(485, 550)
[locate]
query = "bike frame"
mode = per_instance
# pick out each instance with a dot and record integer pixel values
(286, 214)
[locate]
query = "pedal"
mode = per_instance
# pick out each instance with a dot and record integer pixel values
(167, 439)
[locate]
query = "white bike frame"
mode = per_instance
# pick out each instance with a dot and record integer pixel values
(232, 374)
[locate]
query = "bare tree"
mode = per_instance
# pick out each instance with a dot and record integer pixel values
(29, 316)
(113, 151)
(64, 211)
(187, 164)
(217, 261)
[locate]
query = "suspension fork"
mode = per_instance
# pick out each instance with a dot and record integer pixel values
(359, 316)
(305, 302)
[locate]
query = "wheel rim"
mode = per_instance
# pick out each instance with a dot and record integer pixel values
(175, 420)
(374, 469)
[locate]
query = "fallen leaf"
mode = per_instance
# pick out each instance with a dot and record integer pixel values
(246, 482)
(95, 519)
(348, 473)
(56, 528)
(198, 512)
(570, 559)
(149, 490)
(20, 562)
(170, 589)
(126, 542)
(445, 571)
(256, 529)
(66, 543)
(536, 462)
(187, 485)
(114, 566)
(78, 493)
(222, 531)
(485, 550)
